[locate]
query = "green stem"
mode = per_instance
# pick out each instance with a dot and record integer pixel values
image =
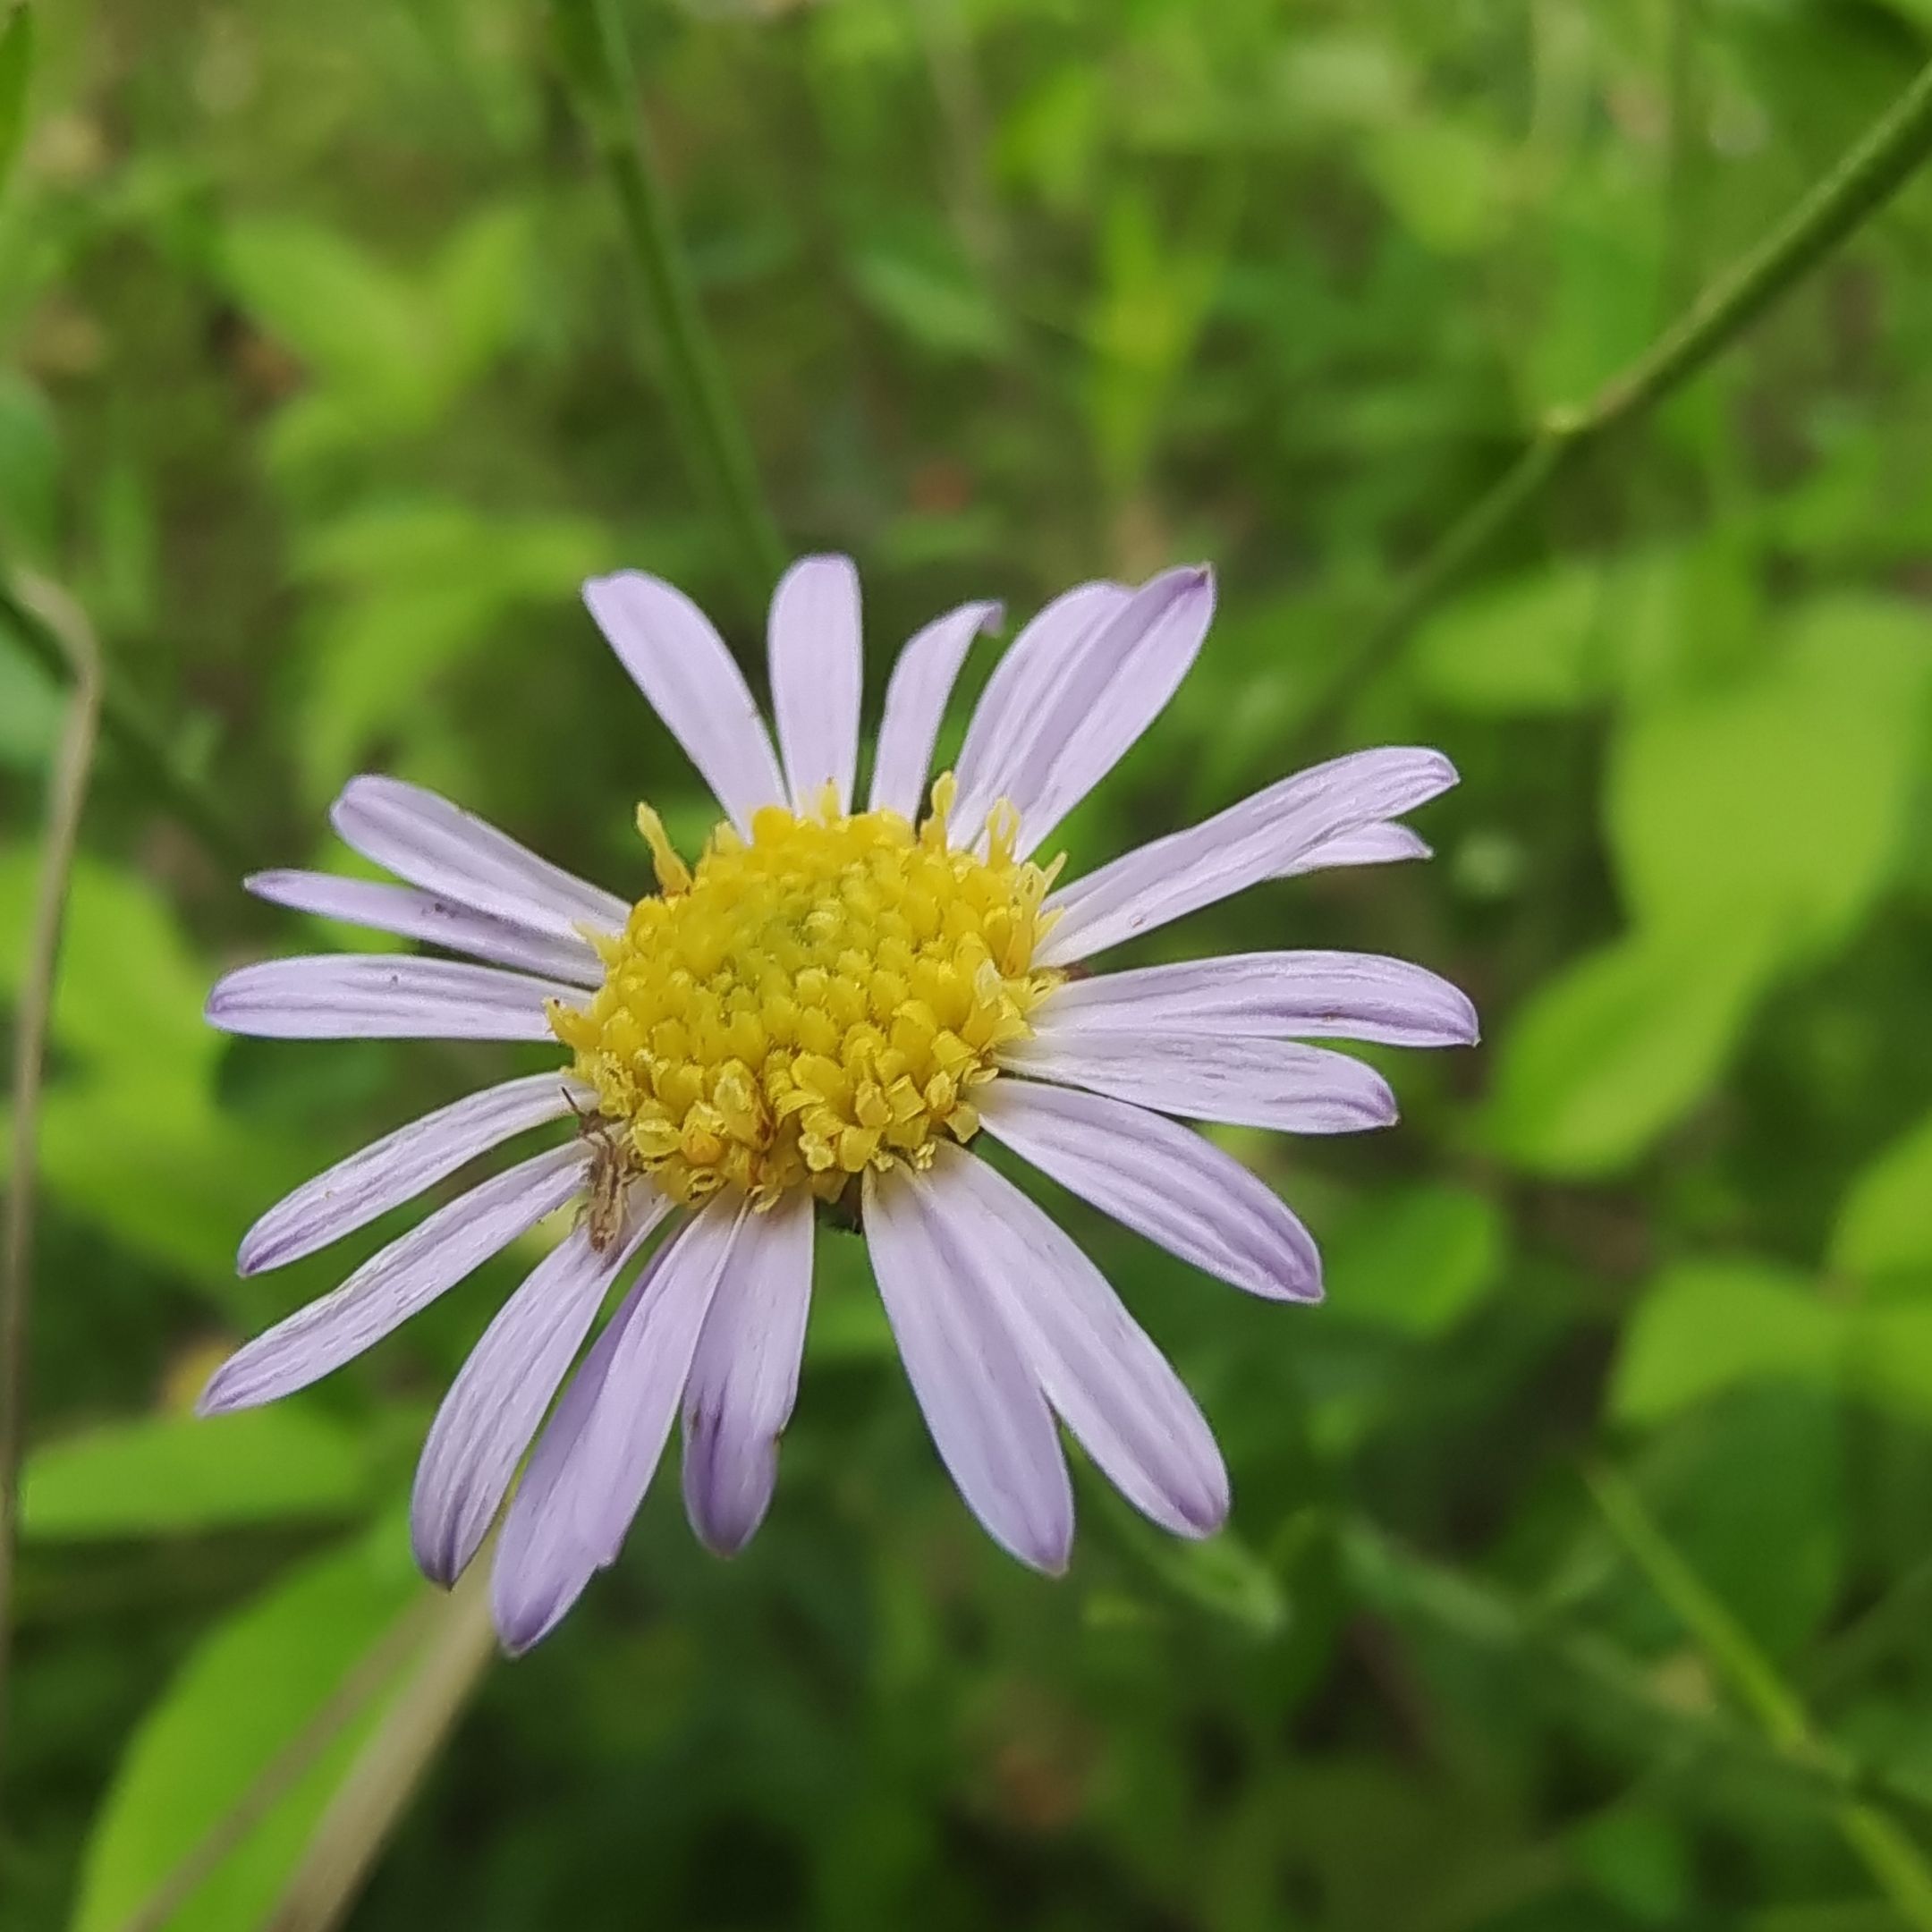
(136, 735)
(66, 798)
(598, 57)
(1398, 1583)
(1868, 176)
(1895, 1863)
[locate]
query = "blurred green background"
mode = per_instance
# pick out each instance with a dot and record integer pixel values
(1581, 1569)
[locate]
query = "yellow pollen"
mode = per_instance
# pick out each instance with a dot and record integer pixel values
(825, 997)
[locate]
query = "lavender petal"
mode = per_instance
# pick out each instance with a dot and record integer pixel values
(383, 995)
(677, 659)
(980, 1398)
(396, 1283)
(1162, 1180)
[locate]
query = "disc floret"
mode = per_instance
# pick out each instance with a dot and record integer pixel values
(821, 999)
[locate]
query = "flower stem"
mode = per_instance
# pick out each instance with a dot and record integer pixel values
(66, 798)
(598, 57)
(1895, 1864)
(1869, 173)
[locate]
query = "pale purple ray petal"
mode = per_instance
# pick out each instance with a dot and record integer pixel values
(915, 704)
(1279, 1084)
(498, 1399)
(384, 995)
(817, 664)
(744, 1378)
(424, 839)
(397, 1168)
(1112, 1387)
(1162, 1180)
(677, 659)
(411, 914)
(542, 1563)
(1295, 995)
(1028, 671)
(625, 1438)
(980, 1397)
(1248, 842)
(1370, 844)
(1113, 683)
(396, 1283)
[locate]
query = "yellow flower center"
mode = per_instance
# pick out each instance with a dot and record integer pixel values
(820, 999)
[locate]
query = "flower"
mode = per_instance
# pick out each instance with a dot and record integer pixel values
(832, 1004)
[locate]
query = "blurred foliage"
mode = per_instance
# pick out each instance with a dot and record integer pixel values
(322, 382)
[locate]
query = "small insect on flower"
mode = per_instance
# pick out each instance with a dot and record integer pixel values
(606, 1179)
(838, 1002)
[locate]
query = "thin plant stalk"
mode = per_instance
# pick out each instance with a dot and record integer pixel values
(604, 80)
(67, 791)
(1868, 175)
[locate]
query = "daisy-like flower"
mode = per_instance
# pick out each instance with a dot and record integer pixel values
(832, 1003)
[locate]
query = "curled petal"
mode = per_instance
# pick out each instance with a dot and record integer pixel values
(1259, 838)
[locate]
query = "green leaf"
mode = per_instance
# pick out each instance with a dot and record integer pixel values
(131, 990)
(1884, 1226)
(425, 585)
(1621, 1045)
(1891, 1361)
(16, 73)
(1444, 182)
(1708, 1326)
(1418, 1259)
(1530, 645)
(245, 1694)
(164, 1474)
(933, 298)
(351, 319)
(1220, 1575)
(1785, 797)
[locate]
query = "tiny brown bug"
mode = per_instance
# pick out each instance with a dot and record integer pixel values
(603, 1211)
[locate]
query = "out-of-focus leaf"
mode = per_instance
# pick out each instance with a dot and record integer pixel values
(164, 1173)
(1890, 1360)
(243, 1695)
(423, 584)
(1220, 1575)
(1708, 1326)
(1753, 1492)
(1417, 1260)
(30, 708)
(1534, 644)
(30, 469)
(1146, 320)
(170, 1473)
(480, 287)
(933, 297)
(1621, 1045)
(16, 75)
(130, 992)
(1783, 798)
(1884, 1226)
(1443, 181)
(1638, 1856)
(353, 321)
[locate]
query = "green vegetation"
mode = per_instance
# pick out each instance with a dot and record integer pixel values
(1580, 1577)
